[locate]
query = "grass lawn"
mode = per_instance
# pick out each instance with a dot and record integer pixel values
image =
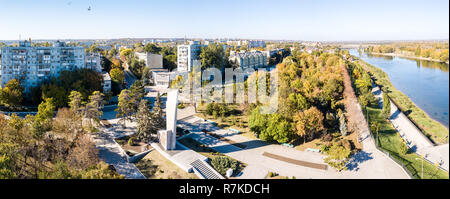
(390, 140)
(156, 166)
(208, 152)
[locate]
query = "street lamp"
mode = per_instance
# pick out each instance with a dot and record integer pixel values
(422, 165)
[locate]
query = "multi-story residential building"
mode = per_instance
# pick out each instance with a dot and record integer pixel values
(106, 83)
(249, 43)
(32, 65)
(256, 44)
(154, 61)
(93, 61)
(187, 53)
(253, 59)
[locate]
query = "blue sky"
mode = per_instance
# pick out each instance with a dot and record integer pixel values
(318, 20)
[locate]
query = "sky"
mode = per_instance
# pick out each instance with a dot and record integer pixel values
(307, 20)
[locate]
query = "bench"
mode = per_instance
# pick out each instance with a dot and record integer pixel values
(288, 145)
(234, 130)
(313, 150)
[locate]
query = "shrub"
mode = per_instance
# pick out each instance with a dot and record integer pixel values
(131, 141)
(403, 148)
(222, 163)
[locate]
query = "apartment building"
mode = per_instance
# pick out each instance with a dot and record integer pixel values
(253, 59)
(249, 43)
(187, 53)
(32, 65)
(93, 61)
(151, 60)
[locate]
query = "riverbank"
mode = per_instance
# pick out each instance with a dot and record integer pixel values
(409, 57)
(434, 130)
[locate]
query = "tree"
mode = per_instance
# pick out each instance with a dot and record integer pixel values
(157, 108)
(146, 126)
(418, 52)
(337, 156)
(94, 107)
(43, 118)
(257, 122)
(84, 154)
(137, 91)
(117, 75)
(308, 123)
(6, 171)
(56, 92)
(212, 56)
(125, 106)
(126, 53)
(152, 48)
(386, 106)
(342, 123)
(11, 94)
(136, 66)
(278, 129)
(101, 171)
(75, 101)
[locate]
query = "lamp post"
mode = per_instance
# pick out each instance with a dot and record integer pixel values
(422, 166)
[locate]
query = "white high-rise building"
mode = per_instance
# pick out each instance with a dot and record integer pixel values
(32, 65)
(187, 53)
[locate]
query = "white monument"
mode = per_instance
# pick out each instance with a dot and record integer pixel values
(168, 137)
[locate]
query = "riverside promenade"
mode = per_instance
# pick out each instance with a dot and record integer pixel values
(415, 139)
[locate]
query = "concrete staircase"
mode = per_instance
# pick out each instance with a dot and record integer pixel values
(205, 170)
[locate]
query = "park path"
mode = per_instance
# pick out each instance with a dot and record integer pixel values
(356, 119)
(415, 139)
(111, 152)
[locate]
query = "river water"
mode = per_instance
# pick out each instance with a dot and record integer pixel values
(426, 83)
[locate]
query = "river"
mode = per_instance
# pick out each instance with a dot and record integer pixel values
(426, 83)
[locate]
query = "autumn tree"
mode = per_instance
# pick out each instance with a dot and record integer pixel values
(308, 123)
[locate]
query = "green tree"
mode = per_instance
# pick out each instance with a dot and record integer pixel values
(125, 106)
(75, 101)
(212, 56)
(337, 156)
(152, 48)
(95, 106)
(146, 125)
(11, 93)
(56, 92)
(117, 75)
(257, 122)
(278, 129)
(43, 118)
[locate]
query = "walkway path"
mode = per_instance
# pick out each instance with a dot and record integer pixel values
(417, 141)
(111, 152)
